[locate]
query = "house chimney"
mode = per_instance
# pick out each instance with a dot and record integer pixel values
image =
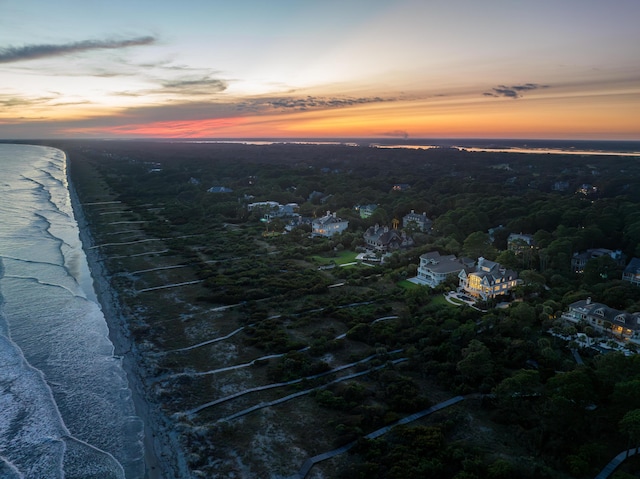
(589, 300)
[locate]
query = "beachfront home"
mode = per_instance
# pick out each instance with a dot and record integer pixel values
(435, 268)
(579, 260)
(328, 225)
(385, 239)
(365, 210)
(489, 280)
(419, 221)
(604, 319)
(520, 243)
(274, 209)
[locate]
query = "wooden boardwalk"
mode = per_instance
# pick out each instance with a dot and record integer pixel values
(309, 463)
(615, 462)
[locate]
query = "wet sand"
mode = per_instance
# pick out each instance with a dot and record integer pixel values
(160, 456)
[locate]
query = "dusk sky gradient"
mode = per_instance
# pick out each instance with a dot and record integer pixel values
(319, 69)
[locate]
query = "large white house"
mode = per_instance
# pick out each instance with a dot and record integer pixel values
(328, 225)
(489, 280)
(435, 268)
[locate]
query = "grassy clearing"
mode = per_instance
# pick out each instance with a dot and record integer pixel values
(440, 300)
(343, 257)
(406, 284)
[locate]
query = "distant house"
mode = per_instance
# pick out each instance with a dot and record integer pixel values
(489, 280)
(519, 243)
(385, 239)
(401, 187)
(435, 268)
(632, 272)
(365, 210)
(579, 260)
(315, 196)
(587, 189)
(560, 186)
(604, 319)
(328, 225)
(296, 221)
(219, 189)
(420, 220)
(274, 209)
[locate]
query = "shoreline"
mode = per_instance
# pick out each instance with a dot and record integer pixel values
(155, 449)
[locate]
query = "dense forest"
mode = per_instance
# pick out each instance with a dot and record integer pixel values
(303, 314)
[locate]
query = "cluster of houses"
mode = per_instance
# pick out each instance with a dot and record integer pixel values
(481, 279)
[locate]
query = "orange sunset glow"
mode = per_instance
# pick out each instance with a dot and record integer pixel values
(354, 69)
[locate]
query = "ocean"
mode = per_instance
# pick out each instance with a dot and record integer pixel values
(65, 406)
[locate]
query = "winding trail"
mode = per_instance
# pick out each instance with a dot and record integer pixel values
(309, 463)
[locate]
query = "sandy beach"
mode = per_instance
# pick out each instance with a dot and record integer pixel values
(163, 458)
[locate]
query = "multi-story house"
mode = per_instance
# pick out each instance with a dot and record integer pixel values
(435, 268)
(421, 221)
(604, 319)
(520, 243)
(579, 260)
(328, 225)
(366, 210)
(385, 239)
(489, 280)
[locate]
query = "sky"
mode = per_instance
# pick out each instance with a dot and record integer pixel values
(565, 69)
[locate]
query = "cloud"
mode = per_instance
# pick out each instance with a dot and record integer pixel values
(396, 134)
(16, 101)
(194, 87)
(306, 103)
(514, 91)
(32, 52)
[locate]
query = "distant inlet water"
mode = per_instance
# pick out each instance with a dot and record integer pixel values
(629, 148)
(65, 405)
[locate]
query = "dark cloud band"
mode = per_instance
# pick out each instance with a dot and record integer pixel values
(514, 91)
(32, 52)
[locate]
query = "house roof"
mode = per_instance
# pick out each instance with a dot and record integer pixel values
(600, 310)
(633, 267)
(492, 271)
(442, 264)
(219, 189)
(329, 218)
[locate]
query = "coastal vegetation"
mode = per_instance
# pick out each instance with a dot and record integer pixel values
(263, 347)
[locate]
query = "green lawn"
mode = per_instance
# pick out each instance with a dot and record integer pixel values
(439, 299)
(406, 284)
(340, 258)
